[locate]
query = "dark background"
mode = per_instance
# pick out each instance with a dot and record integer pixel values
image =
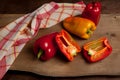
(27, 6)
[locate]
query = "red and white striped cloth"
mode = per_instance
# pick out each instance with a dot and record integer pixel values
(15, 35)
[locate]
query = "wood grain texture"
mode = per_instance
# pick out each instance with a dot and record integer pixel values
(23, 7)
(28, 6)
(108, 26)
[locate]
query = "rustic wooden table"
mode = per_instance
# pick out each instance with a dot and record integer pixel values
(27, 6)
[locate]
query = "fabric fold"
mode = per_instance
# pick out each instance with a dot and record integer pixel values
(15, 35)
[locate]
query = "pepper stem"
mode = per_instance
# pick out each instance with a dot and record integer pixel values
(39, 53)
(91, 52)
(89, 31)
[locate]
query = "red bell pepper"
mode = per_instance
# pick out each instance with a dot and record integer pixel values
(45, 47)
(97, 50)
(92, 12)
(67, 45)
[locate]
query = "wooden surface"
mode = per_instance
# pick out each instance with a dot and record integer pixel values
(18, 6)
(27, 6)
(78, 67)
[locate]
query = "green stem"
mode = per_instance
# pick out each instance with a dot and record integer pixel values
(39, 53)
(89, 31)
(91, 52)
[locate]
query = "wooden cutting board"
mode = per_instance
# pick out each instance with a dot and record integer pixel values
(109, 26)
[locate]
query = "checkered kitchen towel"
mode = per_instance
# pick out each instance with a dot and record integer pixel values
(15, 35)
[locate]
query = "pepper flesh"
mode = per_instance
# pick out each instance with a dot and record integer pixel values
(45, 47)
(92, 12)
(97, 50)
(67, 45)
(81, 27)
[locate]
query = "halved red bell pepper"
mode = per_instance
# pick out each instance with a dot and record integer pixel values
(92, 12)
(97, 50)
(67, 45)
(45, 47)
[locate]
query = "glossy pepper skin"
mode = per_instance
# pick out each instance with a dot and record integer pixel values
(67, 45)
(92, 12)
(97, 50)
(81, 27)
(45, 47)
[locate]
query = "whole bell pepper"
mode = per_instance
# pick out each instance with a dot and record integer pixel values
(92, 12)
(97, 50)
(67, 45)
(81, 27)
(45, 47)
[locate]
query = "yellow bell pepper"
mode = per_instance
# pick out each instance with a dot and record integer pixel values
(81, 27)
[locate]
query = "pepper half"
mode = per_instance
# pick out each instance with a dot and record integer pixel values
(97, 50)
(67, 45)
(92, 12)
(81, 27)
(45, 47)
